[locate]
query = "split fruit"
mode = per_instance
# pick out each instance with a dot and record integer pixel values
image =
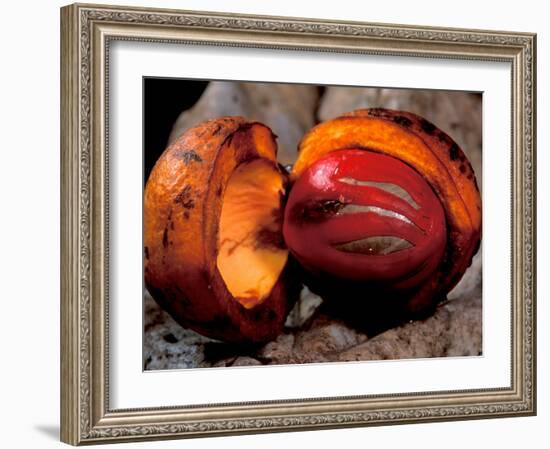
(214, 252)
(380, 216)
(384, 213)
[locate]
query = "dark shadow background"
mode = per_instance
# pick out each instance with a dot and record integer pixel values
(163, 101)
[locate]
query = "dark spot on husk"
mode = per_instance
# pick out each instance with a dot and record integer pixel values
(462, 168)
(146, 251)
(229, 139)
(402, 121)
(188, 156)
(170, 338)
(165, 237)
(217, 130)
(219, 191)
(427, 127)
(444, 138)
(376, 112)
(172, 225)
(186, 215)
(454, 152)
(184, 198)
(316, 210)
(203, 131)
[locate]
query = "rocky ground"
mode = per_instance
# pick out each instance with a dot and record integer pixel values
(455, 329)
(311, 336)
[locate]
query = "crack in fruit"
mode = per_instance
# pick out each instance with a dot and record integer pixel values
(389, 187)
(360, 208)
(375, 245)
(316, 210)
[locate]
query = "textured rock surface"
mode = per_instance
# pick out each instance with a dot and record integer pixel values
(287, 109)
(166, 344)
(456, 113)
(310, 335)
(453, 330)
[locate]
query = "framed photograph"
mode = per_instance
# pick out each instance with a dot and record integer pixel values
(279, 224)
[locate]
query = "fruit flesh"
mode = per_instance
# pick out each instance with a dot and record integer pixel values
(252, 254)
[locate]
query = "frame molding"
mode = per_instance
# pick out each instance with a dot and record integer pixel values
(86, 31)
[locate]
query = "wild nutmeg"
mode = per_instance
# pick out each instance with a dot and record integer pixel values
(383, 215)
(384, 212)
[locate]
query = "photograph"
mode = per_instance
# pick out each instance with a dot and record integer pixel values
(296, 223)
(273, 224)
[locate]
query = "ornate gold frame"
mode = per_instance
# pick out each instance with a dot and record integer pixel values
(86, 31)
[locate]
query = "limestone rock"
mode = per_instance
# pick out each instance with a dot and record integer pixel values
(166, 345)
(456, 113)
(287, 109)
(304, 308)
(454, 330)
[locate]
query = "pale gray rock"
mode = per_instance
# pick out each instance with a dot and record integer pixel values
(456, 113)
(471, 281)
(287, 109)
(453, 330)
(280, 349)
(304, 309)
(167, 345)
(321, 341)
(246, 361)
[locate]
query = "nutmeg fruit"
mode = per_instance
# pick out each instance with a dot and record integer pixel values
(384, 212)
(215, 258)
(383, 215)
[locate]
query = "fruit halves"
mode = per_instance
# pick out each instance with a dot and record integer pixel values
(384, 212)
